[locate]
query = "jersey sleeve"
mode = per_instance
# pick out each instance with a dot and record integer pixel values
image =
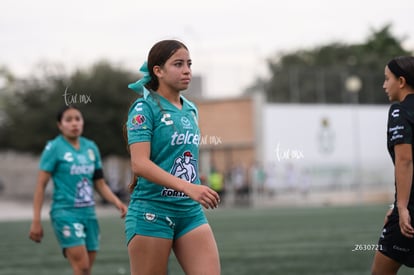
(399, 128)
(48, 158)
(140, 122)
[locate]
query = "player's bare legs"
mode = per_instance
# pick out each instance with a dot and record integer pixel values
(384, 265)
(80, 259)
(197, 252)
(149, 255)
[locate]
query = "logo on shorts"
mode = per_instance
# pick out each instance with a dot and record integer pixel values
(383, 232)
(66, 231)
(402, 249)
(170, 222)
(150, 217)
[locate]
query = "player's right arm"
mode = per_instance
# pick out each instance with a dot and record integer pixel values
(36, 229)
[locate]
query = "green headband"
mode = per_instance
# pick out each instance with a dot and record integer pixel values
(139, 86)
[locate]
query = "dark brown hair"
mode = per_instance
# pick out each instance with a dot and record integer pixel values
(403, 66)
(158, 55)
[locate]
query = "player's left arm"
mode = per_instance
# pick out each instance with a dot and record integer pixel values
(100, 184)
(103, 189)
(403, 178)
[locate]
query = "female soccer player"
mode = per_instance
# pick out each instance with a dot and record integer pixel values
(74, 164)
(165, 210)
(396, 243)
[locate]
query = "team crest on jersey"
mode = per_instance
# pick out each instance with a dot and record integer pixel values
(91, 155)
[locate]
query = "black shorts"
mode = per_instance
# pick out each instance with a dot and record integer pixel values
(395, 245)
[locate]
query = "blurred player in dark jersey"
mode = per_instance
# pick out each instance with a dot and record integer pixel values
(396, 243)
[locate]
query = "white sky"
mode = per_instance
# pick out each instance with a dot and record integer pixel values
(228, 40)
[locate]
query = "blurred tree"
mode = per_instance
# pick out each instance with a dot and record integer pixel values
(110, 98)
(319, 75)
(100, 92)
(6, 77)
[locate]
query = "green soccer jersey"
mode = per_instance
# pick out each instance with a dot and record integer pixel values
(72, 172)
(174, 136)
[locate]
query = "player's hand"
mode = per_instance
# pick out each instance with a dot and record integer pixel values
(36, 232)
(122, 208)
(206, 196)
(405, 223)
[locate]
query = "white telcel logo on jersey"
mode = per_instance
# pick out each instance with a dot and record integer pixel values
(82, 169)
(166, 118)
(187, 138)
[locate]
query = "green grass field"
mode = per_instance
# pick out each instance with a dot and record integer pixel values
(313, 240)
